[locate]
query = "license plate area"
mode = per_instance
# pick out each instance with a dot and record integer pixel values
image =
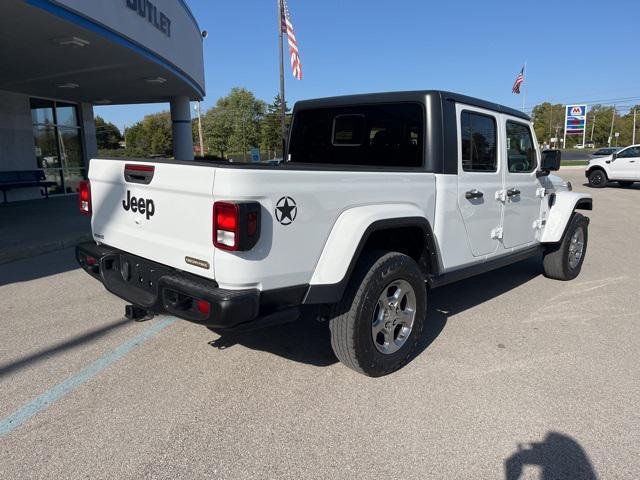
(140, 273)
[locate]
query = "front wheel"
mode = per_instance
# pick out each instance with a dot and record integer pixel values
(564, 260)
(376, 327)
(598, 179)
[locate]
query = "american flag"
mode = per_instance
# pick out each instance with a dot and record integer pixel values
(287, 27)
(519, 81)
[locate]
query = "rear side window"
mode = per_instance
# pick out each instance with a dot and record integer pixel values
(521, 154)
(384, 135)
(478, 135)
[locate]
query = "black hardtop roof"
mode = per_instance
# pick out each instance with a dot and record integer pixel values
(406, 96)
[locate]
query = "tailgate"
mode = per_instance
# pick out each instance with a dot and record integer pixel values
(156, 210)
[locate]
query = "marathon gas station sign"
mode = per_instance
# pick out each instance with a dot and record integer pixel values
(575, 121)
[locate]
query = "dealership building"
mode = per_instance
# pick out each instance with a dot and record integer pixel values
(60, 58)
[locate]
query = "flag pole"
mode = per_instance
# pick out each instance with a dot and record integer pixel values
(283, 113)
(524, 92)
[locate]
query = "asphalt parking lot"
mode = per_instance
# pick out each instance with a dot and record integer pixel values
(519, 377)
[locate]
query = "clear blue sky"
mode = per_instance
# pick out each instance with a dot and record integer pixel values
(583, 51)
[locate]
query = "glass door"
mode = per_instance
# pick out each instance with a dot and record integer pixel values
(58, 144)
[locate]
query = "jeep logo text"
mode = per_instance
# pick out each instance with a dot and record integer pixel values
(139, 205)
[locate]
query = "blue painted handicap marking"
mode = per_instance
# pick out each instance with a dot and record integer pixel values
(48, 398)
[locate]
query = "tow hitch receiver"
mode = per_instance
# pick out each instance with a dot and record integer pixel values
(137, 314)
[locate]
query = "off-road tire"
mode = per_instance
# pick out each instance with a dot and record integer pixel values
(598, 178)
(625, 183)
(351, 319)
(556, 258)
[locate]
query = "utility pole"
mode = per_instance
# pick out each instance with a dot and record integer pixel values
(613, 119)
(593, 125)
(633, 142)
(200, 136)
(283, 113)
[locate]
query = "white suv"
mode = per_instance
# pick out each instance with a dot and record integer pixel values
(622, 167)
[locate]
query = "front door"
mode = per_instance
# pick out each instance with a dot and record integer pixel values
(479, 178)
(626, 164)
(521, 186)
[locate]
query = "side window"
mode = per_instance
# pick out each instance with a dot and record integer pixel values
(479, 141)
(630, 153)
(521, 154)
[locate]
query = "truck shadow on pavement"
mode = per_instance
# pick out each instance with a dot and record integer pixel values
(37, 267)
(308, 341)
(558, 456)
(635, 186)
(59, 348)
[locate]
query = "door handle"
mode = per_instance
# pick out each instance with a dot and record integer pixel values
(471, 194)
(512, 192)
(632, 161)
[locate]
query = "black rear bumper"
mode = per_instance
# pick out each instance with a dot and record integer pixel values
(161, 289)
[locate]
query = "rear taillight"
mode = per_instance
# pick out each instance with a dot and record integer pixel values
(236, 225)
(84, 197)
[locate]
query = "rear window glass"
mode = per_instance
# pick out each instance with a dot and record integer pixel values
(348, 130)
(386, 135)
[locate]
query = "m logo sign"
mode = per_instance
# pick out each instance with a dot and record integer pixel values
(576, 111)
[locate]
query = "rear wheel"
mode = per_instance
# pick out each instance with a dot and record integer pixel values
(598, 179)
(625, 183)
(376, 327)
(564, 260)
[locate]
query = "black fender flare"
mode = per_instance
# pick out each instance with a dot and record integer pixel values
(332, 293)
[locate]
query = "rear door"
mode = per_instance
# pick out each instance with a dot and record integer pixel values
(159, 211)
(521, 200)
(479, 177)
(625, 165)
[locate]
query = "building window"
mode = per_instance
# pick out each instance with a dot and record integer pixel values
(58, 143)
(478, 133)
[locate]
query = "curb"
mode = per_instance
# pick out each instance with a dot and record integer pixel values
(21, 252)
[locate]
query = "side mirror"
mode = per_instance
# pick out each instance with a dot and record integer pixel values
(550, 161)
(614, 156)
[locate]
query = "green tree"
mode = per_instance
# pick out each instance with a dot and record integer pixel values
(271, 128)
(599, 123)
(108, 136)
(217, 127)
(624, 126)
(548, 120)
(233, 125)
(151, 136)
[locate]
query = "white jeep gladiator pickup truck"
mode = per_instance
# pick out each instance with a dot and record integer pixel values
(381, 199)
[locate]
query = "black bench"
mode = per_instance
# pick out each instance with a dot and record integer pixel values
(23, 179)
